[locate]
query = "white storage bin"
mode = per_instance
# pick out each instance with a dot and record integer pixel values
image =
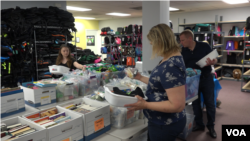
(71, 130)
(90, 119)
(56, 69)
(39, 135)
(119, 100)
(12, 103)
(40, 96)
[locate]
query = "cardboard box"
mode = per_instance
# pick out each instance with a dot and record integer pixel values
(99, 117)
(39, 135)
(12, 103)
(38, 97)
(71, 130)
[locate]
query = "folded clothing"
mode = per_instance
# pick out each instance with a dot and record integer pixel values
(137, 91)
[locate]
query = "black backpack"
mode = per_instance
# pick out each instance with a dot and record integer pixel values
(106, 40)
(231, 59)
(112, 40)
(124, 40)
(140, 29)
(248, 23)
(130, 29)
(241, 45)
(136, 29)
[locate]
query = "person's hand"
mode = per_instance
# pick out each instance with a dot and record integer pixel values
(138, 76)
(140, 104)
(210, 62)
(83, 68)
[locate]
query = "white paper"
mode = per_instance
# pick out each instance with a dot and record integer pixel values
(212, 55)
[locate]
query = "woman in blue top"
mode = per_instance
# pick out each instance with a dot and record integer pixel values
(166, 87)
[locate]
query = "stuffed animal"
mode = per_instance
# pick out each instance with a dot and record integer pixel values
(237, 74)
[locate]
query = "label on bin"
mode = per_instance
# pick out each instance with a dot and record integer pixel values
(68, 139)
(45, 100)
(92, 77)
(189, 125)
(130, 114)
(99, 124)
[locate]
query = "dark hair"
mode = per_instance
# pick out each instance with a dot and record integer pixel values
(60, 57)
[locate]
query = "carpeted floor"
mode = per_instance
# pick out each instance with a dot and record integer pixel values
(234, 109)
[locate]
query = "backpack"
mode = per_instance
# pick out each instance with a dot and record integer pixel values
(231, 58)
(129, 41)
(248, 23)
(106, 40)
(230, 45)
(124, 40)
(117, 40)
(136, 29)
(112, 40)
(242, 32)
(130, 29)
(236, 44)
(140, 29)
(119, 29)
(234, 31)
(139, 40)
(202, 27)
(104, 50)
(247, 54)
(130, 61)
(239, 58)
(138, 51)
(135, 40)
(241, 45)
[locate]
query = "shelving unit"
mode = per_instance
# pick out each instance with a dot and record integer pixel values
(122, 47)
(48, 42)
(222, 46)
(246, 87)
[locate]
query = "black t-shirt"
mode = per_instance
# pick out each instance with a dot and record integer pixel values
(191, 57)
(72, 65)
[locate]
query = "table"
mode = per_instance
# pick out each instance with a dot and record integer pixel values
(106, 137)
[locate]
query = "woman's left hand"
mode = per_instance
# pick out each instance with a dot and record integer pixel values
(140, 104)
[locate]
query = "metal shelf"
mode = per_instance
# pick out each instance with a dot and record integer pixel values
(246, 61)
(45, 69)
(237, 51)
(246, 87)
(219, 56)
(49, 27)
(230, 78)
(218, 68)
(218, 45)
(247, 73)
(233, 36)
(219, 22)
(233, 65)
(247, 47)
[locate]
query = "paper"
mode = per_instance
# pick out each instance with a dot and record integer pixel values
(247, 52)
(230, 44)
(197, 38)
(13, 105)
(45, 100)
(212, 55)
(99, 124)
(206, 34)
(130, 114)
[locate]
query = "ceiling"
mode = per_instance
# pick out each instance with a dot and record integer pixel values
(100, 8)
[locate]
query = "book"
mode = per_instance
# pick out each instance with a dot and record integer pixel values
(57, 115)
(20, 131)
(13, 126)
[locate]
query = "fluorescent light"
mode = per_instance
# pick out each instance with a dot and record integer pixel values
(173, 9)
(77, 8)
(118, 14)
(85, 18)
(236, 1)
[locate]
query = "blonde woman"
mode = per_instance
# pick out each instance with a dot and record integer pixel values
(164, 108)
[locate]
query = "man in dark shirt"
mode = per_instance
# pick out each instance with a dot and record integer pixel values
(192, 52)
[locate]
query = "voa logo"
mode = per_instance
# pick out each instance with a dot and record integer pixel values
(236, 132)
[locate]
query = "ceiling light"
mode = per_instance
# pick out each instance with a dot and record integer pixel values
(236, 1)
(118, 14)
(85, 18)
(77, 8)
(173, 9)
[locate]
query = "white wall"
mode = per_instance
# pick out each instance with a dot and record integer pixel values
(29, 4)
(191, 17)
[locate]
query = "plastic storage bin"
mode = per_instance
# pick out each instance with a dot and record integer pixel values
(120, 117)
(119, 100)
(66, 91)
(189, 126)
(192, 86)
(55, 69)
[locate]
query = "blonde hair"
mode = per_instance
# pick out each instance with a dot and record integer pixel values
(188, 33)
(163, 40)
